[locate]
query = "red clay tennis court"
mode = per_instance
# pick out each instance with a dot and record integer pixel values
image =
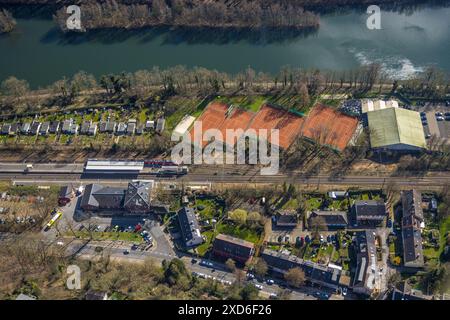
(212, 118)
(272, 118)
(328, 126)
(239, 119)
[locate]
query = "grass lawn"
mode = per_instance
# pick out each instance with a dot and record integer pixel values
(339, 205)
(292, 204)
(204, 247)
(210, 209)
(313, 203)
(122, 236)
(251, 103)
(241, 232)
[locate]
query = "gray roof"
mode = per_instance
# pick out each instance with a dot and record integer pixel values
(85, 127)
(137, 196)
(370, 209)
(100, 197)
(315, 272)
(365, 259)
(329, 218)
(54, 126)
(411, 231)
(189, 227)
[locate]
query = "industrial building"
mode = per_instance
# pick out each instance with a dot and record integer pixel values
(135, 199)
(396, 129)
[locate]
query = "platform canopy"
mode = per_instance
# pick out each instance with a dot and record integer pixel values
(105, 165)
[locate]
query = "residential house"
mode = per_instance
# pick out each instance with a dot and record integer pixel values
(85, 127)
(102, 126)
(369, 213)
(6, 127)
(227, 247)
(111, 126)
(43, 130)
(15, 128)
(25, 128)
(160, 124)
(139, 130)
(34, 129)
(329, 276)
(69, 127)
(96, 295)
(189, 227)
(412, 223)
(131, 128)
(327, 220)
(22, 296)
(149, 125)
(54, 127)
(285, 219)
(404, 291)
(366, 262)
(92, 129)
(121, 129)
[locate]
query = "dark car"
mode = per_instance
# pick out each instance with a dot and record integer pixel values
(389, 223)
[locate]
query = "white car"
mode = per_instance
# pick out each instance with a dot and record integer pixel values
(270, 281)
(258, 286)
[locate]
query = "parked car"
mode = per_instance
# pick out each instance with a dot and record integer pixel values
(258, 286)
(344, 291)
(440, 118)
(206, 264)
(270, 281)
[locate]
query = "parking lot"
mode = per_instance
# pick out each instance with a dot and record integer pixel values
(436, 123)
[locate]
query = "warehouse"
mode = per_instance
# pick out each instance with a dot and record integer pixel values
(396, 129)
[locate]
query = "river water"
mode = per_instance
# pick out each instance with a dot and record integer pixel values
(406, 44)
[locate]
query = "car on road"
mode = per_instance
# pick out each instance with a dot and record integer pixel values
(126, 251)
(270, 281)
(344, 291)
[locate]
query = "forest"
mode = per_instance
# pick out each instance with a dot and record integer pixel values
(275, 14)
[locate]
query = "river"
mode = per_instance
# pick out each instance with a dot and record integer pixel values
(406, 44)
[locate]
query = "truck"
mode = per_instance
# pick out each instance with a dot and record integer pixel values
(28, 168)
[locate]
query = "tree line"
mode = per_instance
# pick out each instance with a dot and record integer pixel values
(188, 13)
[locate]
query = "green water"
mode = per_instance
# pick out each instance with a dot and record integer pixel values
(36, 51)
